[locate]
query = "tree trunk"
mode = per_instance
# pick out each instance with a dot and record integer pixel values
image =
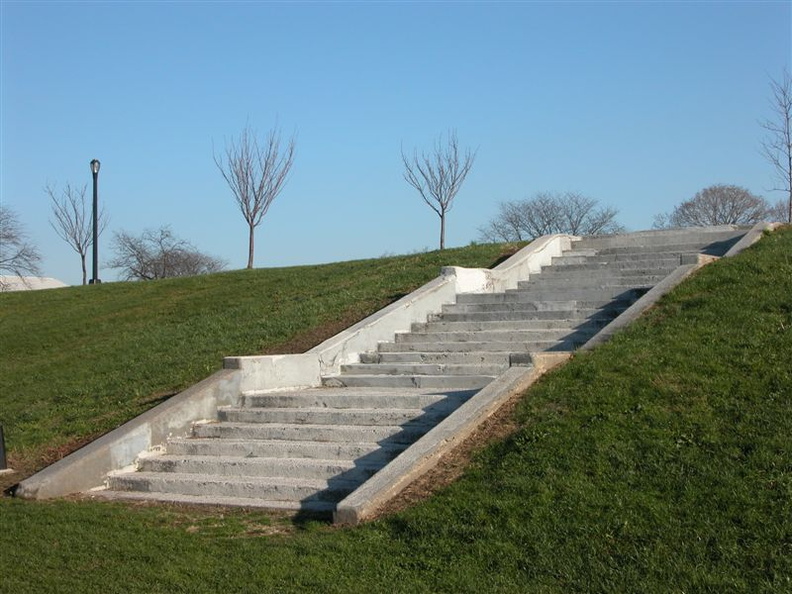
(84, 271)
(442, 231)
(251, 246)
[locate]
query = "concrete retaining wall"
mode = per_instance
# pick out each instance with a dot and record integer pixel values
(87, 468)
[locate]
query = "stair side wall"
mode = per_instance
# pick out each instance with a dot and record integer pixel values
(87, 468)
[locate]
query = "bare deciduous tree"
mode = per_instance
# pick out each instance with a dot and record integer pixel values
(547, 213)
(256, 174)
(438, 175)
(159, 254)
(73, 222)
(18, 255)
(777, 145)
(717, 205)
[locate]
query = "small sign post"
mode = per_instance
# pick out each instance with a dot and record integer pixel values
(2, 451)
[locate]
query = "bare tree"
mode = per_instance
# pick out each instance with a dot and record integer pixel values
(73, 222)
(159, 254)
(18, 255)
(547, 213)
(438, 175)
(256, 174)
(777, 145)
(717, 205)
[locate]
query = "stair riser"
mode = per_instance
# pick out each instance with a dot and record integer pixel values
(565, 325)
(372, 452)
(513, 296)
(421, 369)
(498, 359)
(470, 347)
(482, 336)
(259, 467)
(371, 417)
(534, 309)
(374, 401)
(516, 316)
(596, 264)
(440, 382)
(688, 241)
(592, 258)
(326, 433)
(225, 488)
(593, 280)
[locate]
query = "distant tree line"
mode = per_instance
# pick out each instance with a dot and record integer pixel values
(256, 169)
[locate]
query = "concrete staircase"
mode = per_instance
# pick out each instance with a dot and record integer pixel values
(305, 450)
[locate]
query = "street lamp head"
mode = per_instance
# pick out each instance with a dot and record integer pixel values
(95, 166)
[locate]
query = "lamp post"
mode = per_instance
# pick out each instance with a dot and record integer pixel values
(95, 171)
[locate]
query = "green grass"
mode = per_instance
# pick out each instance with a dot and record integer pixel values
(660, 462)
(77, 362)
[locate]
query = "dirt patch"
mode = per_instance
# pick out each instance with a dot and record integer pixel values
(452, 465)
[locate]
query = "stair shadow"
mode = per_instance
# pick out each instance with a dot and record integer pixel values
(719, 248)
(368, 465)
(589, 327)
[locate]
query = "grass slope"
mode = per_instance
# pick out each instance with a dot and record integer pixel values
(76, 362)
(660, 462)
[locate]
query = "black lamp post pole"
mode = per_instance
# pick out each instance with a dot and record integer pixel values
(95, 172)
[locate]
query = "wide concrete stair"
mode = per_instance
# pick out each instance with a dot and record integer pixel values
(305, 450)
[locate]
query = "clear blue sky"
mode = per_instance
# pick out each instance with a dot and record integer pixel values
(636, 104)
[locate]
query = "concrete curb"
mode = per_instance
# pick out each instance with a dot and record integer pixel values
(87, 468)
(427, 452)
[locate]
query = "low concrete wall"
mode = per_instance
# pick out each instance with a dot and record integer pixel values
(87, 468)
(529, 260)
(276, 372)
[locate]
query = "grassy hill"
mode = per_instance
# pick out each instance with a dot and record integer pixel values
(77, 362)
(659, 462)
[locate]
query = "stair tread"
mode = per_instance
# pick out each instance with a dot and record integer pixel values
(252, 502)
(290, 461)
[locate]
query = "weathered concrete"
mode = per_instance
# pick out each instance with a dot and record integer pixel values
(427, 452)
(88, 467)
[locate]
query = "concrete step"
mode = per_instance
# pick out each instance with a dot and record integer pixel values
(591, 282)
(482, 358)
(316, 506)
(325, 433)
(556, 325)
(600, 271)
(329, 416)
(346, 398)
(422, 369)
(260, 467)
(698, 235)
(490, 346)
(543, 296)
(591, 257)
(440, 382)
(485, 336)
(595, 263)
(263, 448)
(522, 314)
(276, 488)
(536, 309)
